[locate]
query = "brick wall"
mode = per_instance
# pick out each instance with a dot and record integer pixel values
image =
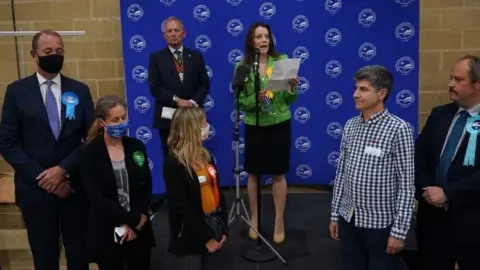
(449, 29)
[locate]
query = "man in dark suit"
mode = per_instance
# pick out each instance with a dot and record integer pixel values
(44, 119)
(447, 180)
(177, 76)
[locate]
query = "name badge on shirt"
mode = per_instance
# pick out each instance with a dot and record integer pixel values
(373, 151)
(202, 179)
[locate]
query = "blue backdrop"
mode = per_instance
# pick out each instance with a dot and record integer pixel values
(333, 38)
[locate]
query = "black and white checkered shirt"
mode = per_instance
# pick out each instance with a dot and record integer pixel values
(375, 175)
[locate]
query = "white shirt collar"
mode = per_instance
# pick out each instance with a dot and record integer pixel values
(172, 50)
(42, 80)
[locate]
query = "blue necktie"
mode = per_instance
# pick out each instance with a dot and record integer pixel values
(52, 110)
(450, 148)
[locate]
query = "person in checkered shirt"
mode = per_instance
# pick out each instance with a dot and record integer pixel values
(373, 197)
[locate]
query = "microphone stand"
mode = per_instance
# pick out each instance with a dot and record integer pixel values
(238, 199)
(259, 253)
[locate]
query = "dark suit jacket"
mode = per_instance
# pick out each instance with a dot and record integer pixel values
(463, 182)
(100, 185)
(165, 83)
(26, 139)
(188, 230)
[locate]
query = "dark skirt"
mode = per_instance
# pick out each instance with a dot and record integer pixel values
(267, 149)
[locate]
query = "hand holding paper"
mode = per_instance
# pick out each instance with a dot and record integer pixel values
(283, 71)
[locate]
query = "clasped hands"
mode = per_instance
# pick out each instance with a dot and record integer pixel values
(53, 180)
(130, 234)
(213, 245)
(435, 196)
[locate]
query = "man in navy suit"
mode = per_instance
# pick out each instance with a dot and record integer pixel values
(177, 77)
(447, 175)
(45, 117)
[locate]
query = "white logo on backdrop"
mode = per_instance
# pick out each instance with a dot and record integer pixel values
(203, 43)
(303, 144)
(303, 85)
(209, 103)
(333, 36)
(333, 69)
(241, 145)
(302, 53)
(201, 13)
(304, 171)
(163, 25)
(235, 56)
(135, 12)
(233, 116)
(405, 31)
(404, 3)
(141, 104)
(267, 10)
(334, 100)
(367, 51)
(367, 17)
(405, 65)
(300, 23)
(137, 43)
(333, 6)
(167, 2)
(235, 27)
(334, 158)
(405, 98)
(150, 163)
(139, 74)
(335, 130)
(234, 2)
(209, 71)
(144, 134)
(301, 115)
(274, 38)
(243, 174)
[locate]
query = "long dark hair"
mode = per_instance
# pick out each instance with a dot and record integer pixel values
(250, 50)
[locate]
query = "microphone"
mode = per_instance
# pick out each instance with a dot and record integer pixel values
(256, 61)
(240, 77)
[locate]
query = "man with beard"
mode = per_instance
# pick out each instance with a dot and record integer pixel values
(447, 175)
(45, 117)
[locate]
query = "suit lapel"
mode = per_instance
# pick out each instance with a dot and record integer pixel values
(443, 126)
(187, 63)
(35, 99)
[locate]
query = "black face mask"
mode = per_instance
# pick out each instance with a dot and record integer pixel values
(51, 63)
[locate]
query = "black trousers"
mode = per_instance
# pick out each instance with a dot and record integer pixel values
(365, 249)
(437, 249)
(47, 219)
(133, 255)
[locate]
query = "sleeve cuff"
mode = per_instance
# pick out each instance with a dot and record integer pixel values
(395, 233)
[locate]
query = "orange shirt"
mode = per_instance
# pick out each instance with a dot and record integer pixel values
(207, 192)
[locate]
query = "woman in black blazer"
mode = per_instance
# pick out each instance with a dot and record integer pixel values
(197, 209)
(118, 183)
